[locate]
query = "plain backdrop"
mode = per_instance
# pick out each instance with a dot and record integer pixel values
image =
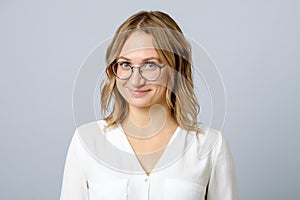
(255, 45)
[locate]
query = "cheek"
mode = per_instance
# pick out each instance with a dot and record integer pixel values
(160, 87)
(163, 81)
(121, 88)
(120, 84)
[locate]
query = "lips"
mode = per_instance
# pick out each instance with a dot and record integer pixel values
(138, 92)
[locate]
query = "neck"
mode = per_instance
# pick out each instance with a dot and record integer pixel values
(148, 120)
(139, 116)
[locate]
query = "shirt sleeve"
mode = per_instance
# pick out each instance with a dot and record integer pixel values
(74, 184)
(222, 183)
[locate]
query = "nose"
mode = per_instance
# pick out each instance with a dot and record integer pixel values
(136, 79)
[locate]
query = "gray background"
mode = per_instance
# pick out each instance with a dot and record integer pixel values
(255, 45)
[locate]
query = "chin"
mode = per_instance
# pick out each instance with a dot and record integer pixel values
(139, 104)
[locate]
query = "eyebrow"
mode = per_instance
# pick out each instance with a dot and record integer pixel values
(145, 59)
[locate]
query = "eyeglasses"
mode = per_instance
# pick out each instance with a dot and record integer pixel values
(149, 70)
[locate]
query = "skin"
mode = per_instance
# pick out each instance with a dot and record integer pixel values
(148, 110)
(140, 93)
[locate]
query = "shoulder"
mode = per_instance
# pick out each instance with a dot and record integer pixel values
(208, 141)
(94, 127)
(91, 126)
(91, 132)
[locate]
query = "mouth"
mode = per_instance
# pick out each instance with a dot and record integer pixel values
(139, 92)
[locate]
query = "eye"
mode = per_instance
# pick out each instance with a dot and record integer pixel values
(150, 65)
(124, 65)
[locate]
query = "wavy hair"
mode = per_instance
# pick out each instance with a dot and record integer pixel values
(173, 49)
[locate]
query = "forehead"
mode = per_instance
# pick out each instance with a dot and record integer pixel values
(138, 44)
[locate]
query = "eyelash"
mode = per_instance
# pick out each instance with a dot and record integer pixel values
(124, 62)
(128, 63)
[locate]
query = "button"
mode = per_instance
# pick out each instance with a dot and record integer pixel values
(146, 179)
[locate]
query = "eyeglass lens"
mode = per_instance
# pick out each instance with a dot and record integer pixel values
(149, 71)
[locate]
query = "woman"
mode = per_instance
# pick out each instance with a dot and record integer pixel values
(150, 145)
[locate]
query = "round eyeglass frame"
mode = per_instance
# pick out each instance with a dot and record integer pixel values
(139, 69)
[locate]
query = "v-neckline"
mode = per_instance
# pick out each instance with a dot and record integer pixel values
(129, 146)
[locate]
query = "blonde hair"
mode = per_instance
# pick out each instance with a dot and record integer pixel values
(173, 49)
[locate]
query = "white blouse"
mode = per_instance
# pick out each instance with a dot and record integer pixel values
(102, 166)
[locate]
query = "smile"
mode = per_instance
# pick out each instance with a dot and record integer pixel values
(138, 92)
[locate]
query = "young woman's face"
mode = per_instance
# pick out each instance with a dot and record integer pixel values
(139, 92)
